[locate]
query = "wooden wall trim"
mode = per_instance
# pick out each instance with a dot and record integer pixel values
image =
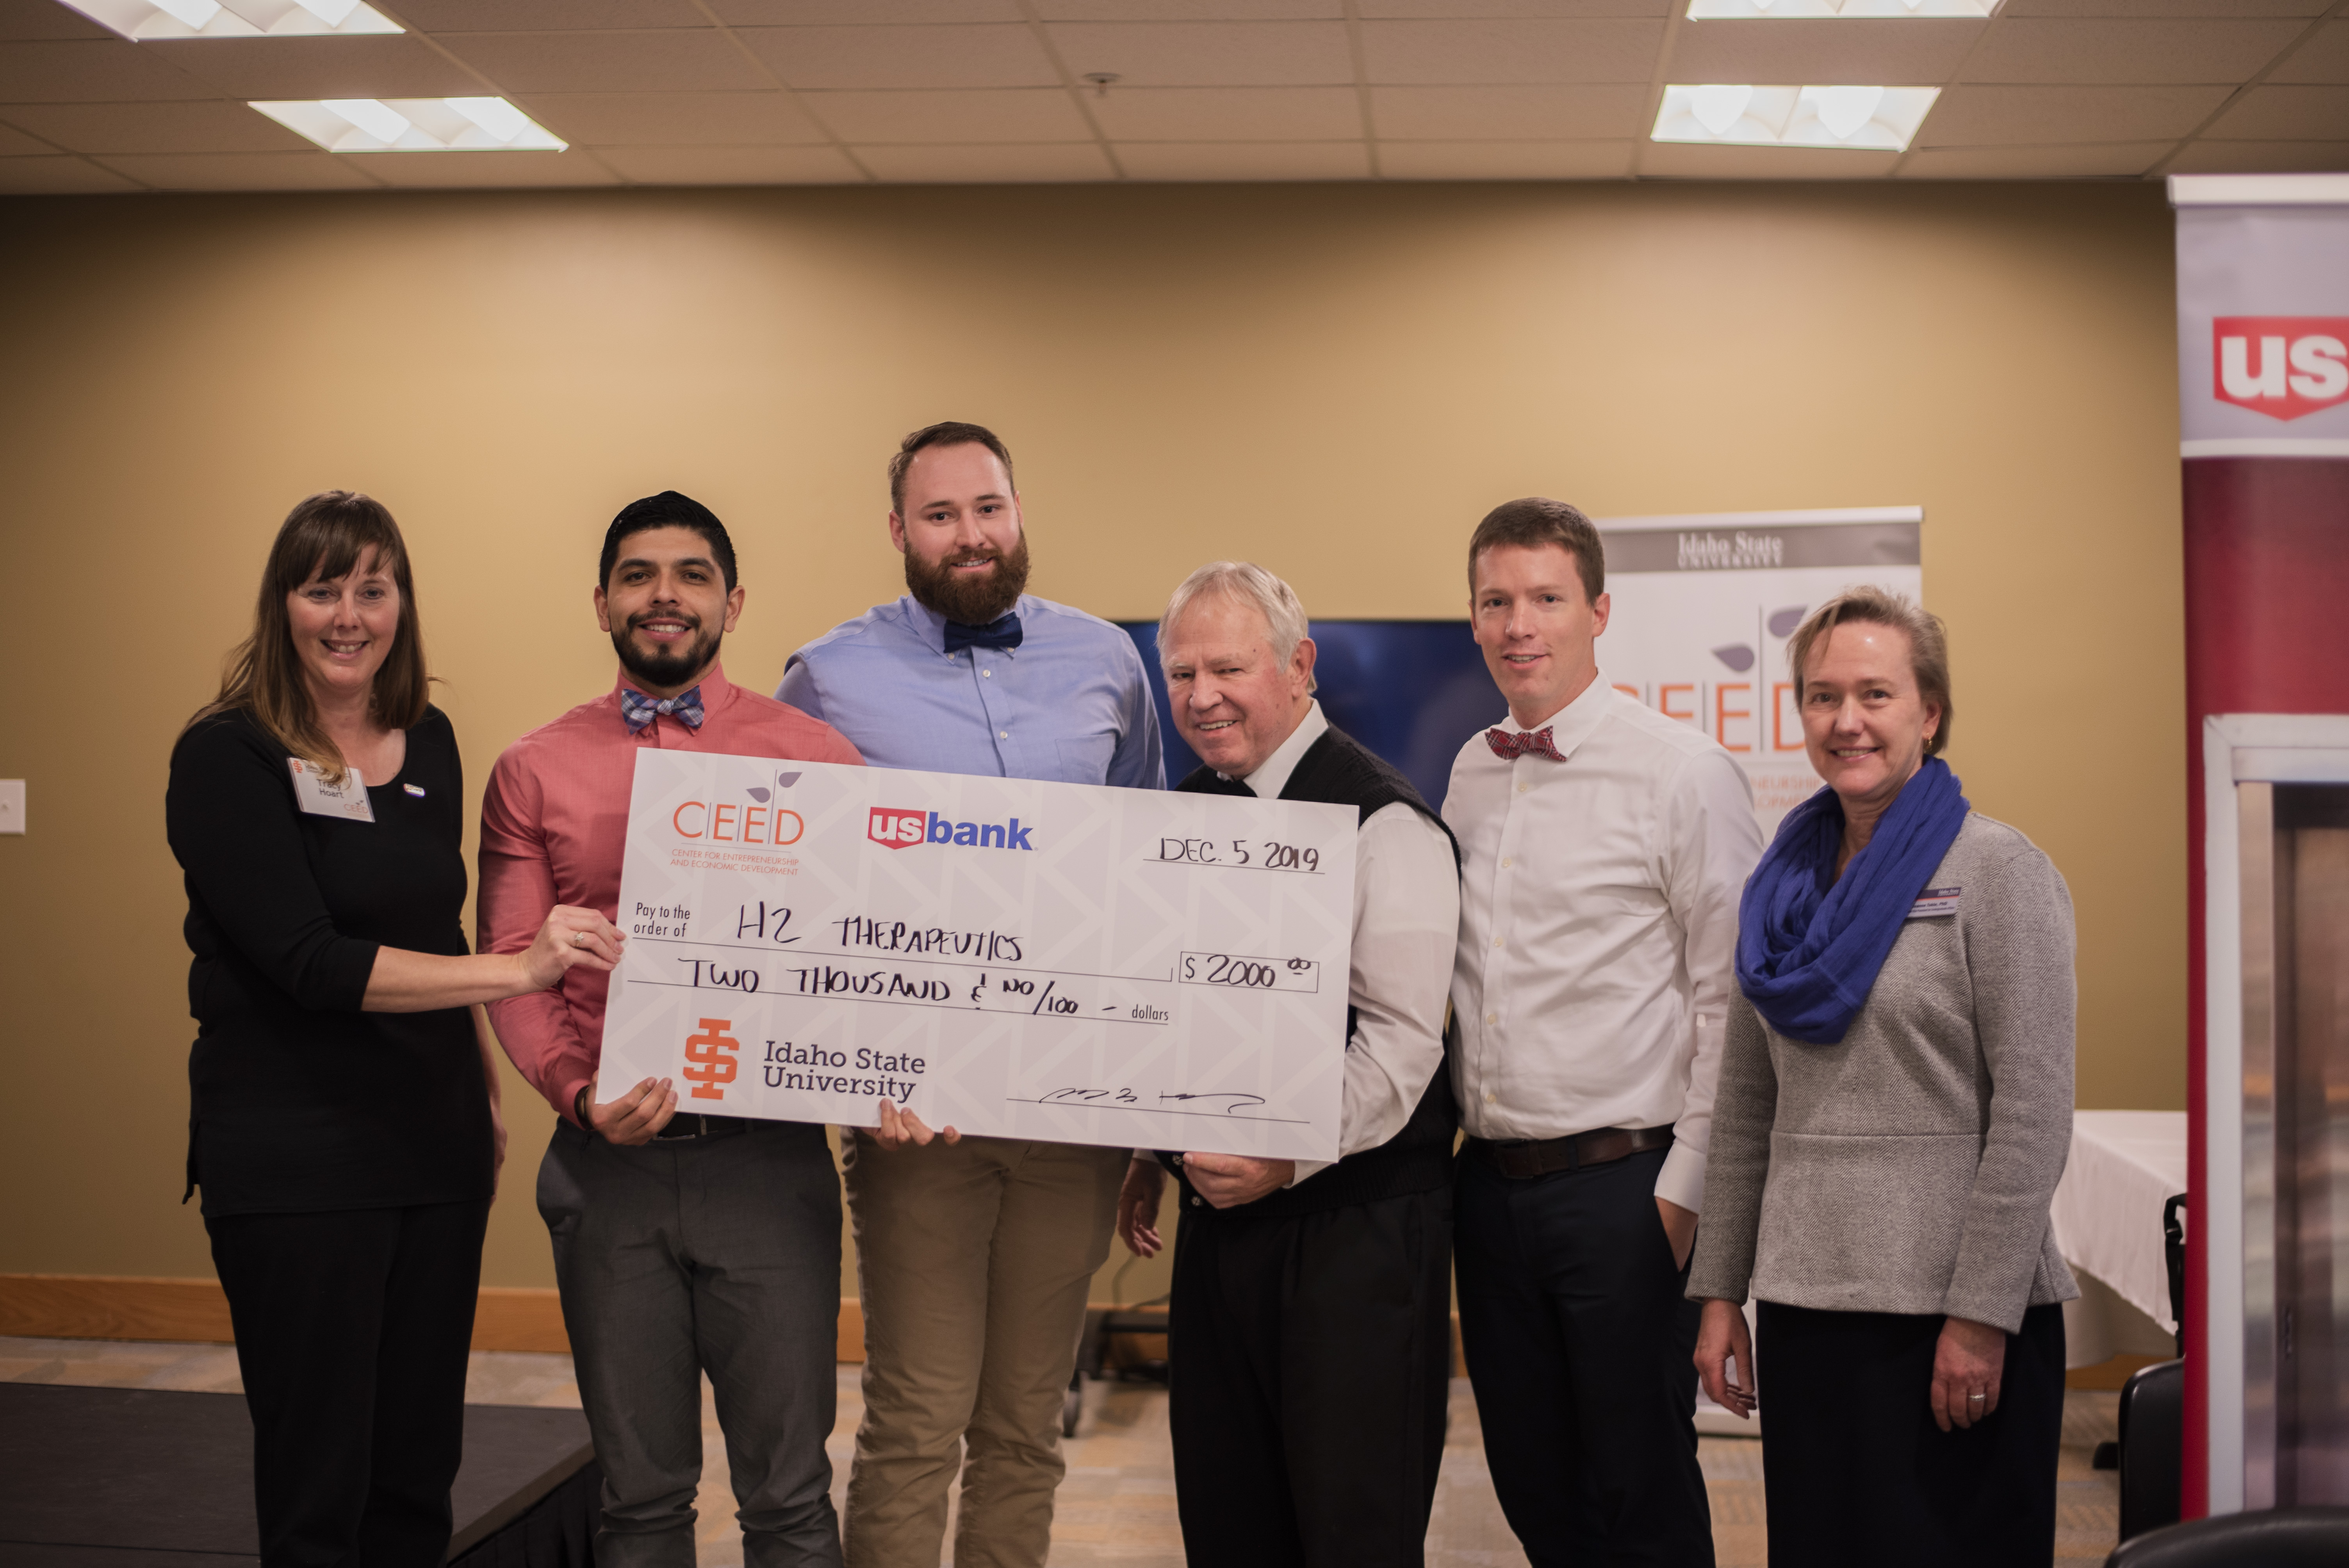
(89, 1306)
(193, 1311)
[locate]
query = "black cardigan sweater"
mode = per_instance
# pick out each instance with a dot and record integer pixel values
(302, 1102)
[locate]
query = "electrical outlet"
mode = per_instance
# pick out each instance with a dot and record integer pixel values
(12, 805)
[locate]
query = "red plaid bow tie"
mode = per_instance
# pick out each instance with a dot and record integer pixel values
(1508, 747)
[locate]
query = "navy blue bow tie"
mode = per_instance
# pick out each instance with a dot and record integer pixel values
(1003, 632)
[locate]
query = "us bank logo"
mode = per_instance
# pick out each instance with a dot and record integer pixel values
(898, 829)
(2280, 366)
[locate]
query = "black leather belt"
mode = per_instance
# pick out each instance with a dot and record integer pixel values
(692, 1124)
(1520, 1159)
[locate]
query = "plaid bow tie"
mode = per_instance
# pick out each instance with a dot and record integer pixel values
(640, 710)
(1508, 747)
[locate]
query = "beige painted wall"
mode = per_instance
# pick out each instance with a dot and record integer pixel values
(1334, 381)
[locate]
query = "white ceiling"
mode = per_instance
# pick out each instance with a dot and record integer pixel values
(756, 92)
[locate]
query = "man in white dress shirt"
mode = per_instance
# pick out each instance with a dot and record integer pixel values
(1310, 1344)
(1603, 849)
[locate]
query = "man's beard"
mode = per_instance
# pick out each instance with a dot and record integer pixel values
(972, 598)
(669, 666)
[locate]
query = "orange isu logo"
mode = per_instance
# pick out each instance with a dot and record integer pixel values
(706, 1061)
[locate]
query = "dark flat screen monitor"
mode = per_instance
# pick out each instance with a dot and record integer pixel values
(1411, 691)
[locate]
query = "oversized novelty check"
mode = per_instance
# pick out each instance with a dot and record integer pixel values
(1066, 962)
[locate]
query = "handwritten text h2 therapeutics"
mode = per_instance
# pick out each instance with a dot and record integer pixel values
(896, 829)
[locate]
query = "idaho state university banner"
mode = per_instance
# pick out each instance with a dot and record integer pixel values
(2264, 402)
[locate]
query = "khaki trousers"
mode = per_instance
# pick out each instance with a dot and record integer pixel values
(974, 1263)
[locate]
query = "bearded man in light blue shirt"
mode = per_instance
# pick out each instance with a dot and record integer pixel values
(974, 1255)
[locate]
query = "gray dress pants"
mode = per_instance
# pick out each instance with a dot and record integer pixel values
(718, 1254)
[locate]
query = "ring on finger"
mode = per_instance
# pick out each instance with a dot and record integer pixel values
(578, 939)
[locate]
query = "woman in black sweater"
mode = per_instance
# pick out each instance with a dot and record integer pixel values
(344, 1128)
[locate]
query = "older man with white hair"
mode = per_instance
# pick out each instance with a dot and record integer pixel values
(1311, 1342)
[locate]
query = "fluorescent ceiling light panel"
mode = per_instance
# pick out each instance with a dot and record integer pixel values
(1875, 119)
(414, 125)
(1733, 10)
(141, 19)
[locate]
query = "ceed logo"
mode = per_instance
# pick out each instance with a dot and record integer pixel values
(706, 1061)
(899, 830)
(2282, 365)
(738, 822)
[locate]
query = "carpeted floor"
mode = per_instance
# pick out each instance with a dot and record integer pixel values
(1117, 1505)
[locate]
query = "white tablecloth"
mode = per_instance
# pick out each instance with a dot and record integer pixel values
(2125, 1165)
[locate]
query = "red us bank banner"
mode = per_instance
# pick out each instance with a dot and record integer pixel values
(2263, 422)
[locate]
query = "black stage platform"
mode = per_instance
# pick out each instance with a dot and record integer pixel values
(140, 1478)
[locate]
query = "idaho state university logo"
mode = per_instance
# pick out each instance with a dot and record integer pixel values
(706, 1061)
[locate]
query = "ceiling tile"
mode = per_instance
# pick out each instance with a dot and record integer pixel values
(998, 165)
(2262, 158)
(671, 61)
(111, 70)
(2207, 50)
(214, 125)
(1688, 161)
(1477, 10)
(46, 19)
(2285, 114)
(1980, 116)
(672, 120)
(2164, 7)
(546, 15)
(2323, 59)
(485, 170)
(985, 114)
(1228, 114)
(56, 176)
(993, 55)
(1797, 53)
(1246, 160)
(1207, 53)
(15, 143)
(1510, 113)
(1608, 50)
(811, 12)
(311, 170)
(2085, 160)
(317, 68)
(1504, 159)
(1190, 10)
(733, 165)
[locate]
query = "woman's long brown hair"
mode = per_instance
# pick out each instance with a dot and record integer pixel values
(325, 537)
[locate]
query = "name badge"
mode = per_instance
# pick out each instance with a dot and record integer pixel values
(1935, 901)
(347, 799)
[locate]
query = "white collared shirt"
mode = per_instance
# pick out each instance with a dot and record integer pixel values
(1406, 922)
(1598, 928)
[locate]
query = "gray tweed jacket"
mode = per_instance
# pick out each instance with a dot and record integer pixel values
(1908, 1167)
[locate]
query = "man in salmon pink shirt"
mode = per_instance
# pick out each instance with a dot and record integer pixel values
(682, 1243)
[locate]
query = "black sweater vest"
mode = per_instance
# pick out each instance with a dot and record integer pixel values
(1340, 770)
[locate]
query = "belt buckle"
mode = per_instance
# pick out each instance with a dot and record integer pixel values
(667, 1134)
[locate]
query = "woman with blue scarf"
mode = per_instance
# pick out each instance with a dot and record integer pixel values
(1895, 1109)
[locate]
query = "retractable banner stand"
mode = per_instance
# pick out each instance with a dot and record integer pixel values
(1703, 606)
(2263, 395)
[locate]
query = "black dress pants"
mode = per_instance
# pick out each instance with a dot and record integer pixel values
(1309, 1361)
(351, 1331)
(1855, 1469)
(1580, 1344)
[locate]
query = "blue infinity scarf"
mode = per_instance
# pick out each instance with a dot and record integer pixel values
(1808, 945)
